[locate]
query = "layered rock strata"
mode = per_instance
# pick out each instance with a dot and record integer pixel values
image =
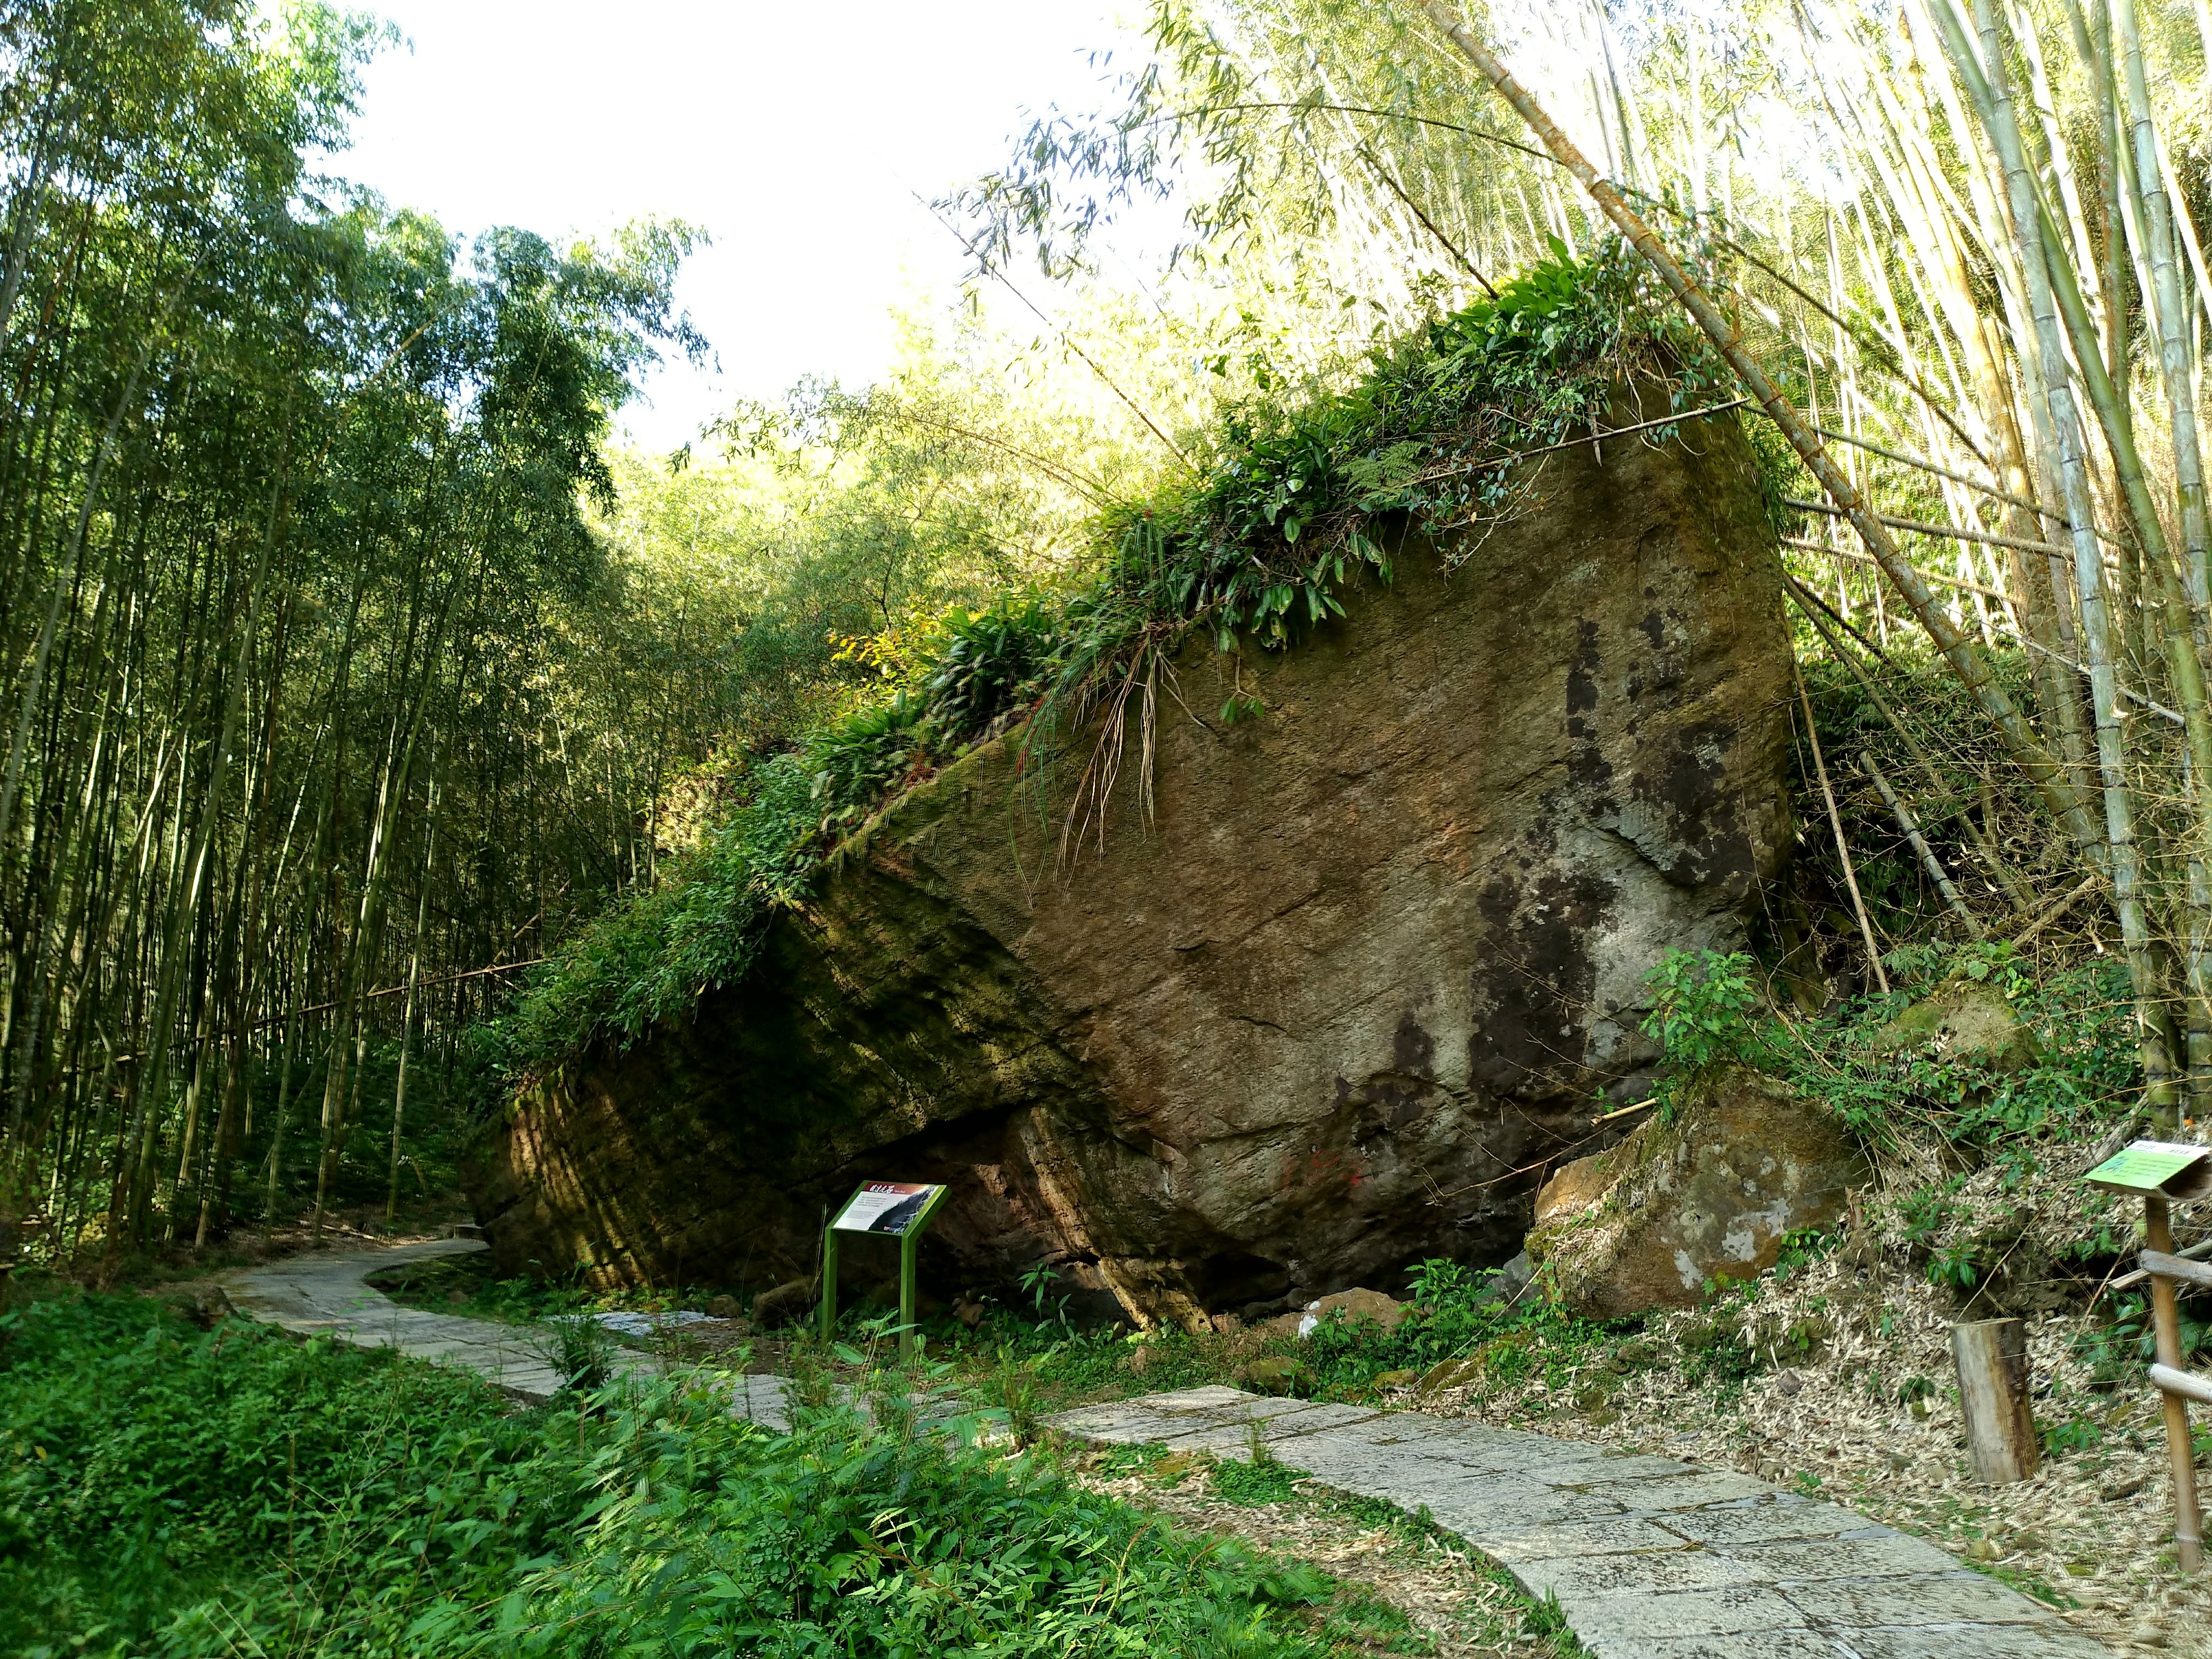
(1337, 1003)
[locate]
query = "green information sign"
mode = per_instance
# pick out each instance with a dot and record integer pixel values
(895, 1209)
(2159, 1167)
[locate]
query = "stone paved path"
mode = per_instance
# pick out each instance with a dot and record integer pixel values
(325, 1295)
(1650, 1559)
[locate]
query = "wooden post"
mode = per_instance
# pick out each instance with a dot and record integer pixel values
(828, 1281)
(2159, 1172)
(1993, 1383)
(2188, 1516)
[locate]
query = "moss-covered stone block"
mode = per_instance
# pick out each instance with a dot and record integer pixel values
(1706, 1198)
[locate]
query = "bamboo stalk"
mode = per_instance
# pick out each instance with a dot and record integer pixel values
(1924, 527)
(1959, 584)
(1989, 92)
(2153, 210)
(1928, 861)
(1965, 660)
(1836, 823)
(2165, 619)
(1978, 834)
(2057, 911)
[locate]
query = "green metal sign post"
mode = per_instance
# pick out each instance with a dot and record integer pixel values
(890, 1209)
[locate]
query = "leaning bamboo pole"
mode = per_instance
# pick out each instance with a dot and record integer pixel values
(1987, 82)
(1965, 659)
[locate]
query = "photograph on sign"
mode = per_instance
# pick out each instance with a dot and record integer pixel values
(884, 1207)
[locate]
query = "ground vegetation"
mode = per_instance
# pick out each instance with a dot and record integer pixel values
(176, 1489)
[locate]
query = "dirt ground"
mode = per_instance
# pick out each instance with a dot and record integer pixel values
(2090, 1534)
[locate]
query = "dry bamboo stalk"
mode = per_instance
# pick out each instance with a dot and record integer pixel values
(1836, 823)
(1979, 834)
(1924, 527)
(1965, 661)
(2132, 695)
(2088, 885)
(1921, 463)
(1959, 582)
(1929, 862)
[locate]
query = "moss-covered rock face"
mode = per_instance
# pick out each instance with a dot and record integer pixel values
(1964, 1021)
(1328, 1011)
(1707, 1196)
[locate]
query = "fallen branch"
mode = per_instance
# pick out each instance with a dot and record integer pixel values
(2056, 911)
(1624, 1111)
(1964, 585)
(1997, 868)
(1928, 860)
(1836, 823)
(1923, 527)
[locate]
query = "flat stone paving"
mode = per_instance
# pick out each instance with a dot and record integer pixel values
(1651, 1559)
(325, 1295)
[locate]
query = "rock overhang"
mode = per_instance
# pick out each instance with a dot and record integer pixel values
(1334, 1004)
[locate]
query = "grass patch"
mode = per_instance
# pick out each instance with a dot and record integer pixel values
(1263, 1478)
(167, 1489)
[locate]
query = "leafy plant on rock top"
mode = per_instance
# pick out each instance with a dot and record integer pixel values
(991, 662)
(1427, 438)
(1704, 1011)
(1426, 435)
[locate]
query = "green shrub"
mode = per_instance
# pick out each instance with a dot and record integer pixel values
(1453, 1316)
(1704, 1010)
(168, 1491)
(2085, 1074)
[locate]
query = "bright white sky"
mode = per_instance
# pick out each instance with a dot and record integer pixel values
(795, 135)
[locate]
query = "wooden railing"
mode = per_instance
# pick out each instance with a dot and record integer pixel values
(2161, 1172)
(2175, 1386)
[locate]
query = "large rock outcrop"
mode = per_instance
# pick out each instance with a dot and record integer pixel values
(1336, 1006)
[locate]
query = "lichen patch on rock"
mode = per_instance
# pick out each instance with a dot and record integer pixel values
(1702, 1198)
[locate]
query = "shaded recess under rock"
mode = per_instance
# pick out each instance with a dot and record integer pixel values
(1338, 1007)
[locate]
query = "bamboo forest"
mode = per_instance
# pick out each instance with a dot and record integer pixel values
(1418, 861)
